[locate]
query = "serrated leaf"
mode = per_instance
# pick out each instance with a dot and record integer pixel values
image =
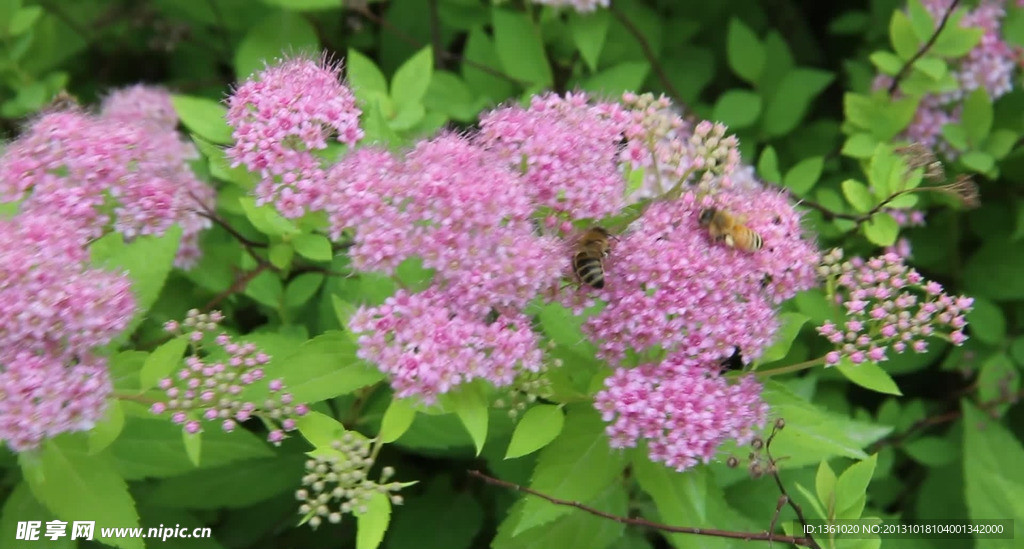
(397, 420)
(538, 427)
(204, 117)
(744, 51)
(588, 33)
(162, 362)
(20, 506)
(281, 34)
(520, 47)
(321, 430)
(576, 466)
(75, 485)
(266, 219)
(412, 79)
(571, 530)
(802, 177)
(881, 229)
(869, 375)
(858, 195)
(374, 522)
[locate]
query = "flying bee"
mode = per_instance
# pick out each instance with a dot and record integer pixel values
(588, 262)
(729, 229)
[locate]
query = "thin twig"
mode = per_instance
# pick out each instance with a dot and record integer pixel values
(924, 48)
(748, 536)
(782, 488)
(649, 53)
(239, 285)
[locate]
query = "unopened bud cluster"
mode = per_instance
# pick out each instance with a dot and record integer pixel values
(887, 305)
(208, 390)
(337, 482)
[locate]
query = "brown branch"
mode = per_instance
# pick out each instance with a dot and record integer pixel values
(747, 536)
(774, 470)
(924, 48)
(366, 12)
(652, 57)
(435, 34)
(239, 285)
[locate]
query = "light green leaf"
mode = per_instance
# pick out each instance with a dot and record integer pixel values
(302, 288)
(162, 362)
(266, 288)
(374, 522)
(825, 487)
(802, 177)
(737, 109)
(886, 62)
(576, 466)
(790, 327)
(617, 79)
(588, 33)
(932, 451)
(881, 229)
(792, 99)
(977, 116)
(470, 405)
(978, 161)
(321, 430)
(284, 33)
(107, 429)
(323, 367)
(411, 80)
(313, 246)
(77, 486)
(397, 420)
(902, 36)
(266, 219)
(21, 506)
(744, 51)
(768, 165)
(539, 426)
(204, 117)
(148, 260)
(481, 51)
(364, 77)
(306, 5)
(858, 195)
(852, 485)
(193, 446)
(518, 44)
(869, 375)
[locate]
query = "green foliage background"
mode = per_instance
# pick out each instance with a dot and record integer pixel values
(910, 441)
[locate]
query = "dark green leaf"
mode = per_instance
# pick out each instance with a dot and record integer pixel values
(768, 165)
(302, 288)
(21, 506)
(977, 116)
(987, 322)
(617, 79)
(232, 486)
(284, 33)
(790, 327)
(148, 260)
(994, 270)
(992, 489)
(518, 44)
(588, 33)
(737, 108)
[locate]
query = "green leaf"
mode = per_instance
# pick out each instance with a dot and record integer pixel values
(977, 116)
(266, 219)
(573, 529)
(744, 51)
(813, 433)
(266, 289)
(790, 327)
(936, 69)
(162, 362)
(920, 20)
(737, 108)
(576, 466)
(618, 79)
(397, 420)
(439, 503)
(792, 99)
(193, 446)
(992, 489)
(588, 33)
(449, 94)
(107, 429)
(518, 44)
(956, 41)
(321, 430)
(825, 486)
(768, 165)
(363, 76)
(902, 36)
(24, 19)
(563, 327)
(204, 117)
(306, 5)
(882, 117)
(881, 229)
(470, 405)
(302, 288)
(886, 62)
(374, 522)
(78, 486)
(1000, 142)
(802, 177)
(988, 324)
(282, 34)
(693, 498)
(868, 375)
(153, 447)
(20, 506)
(977, 161)
(313, 246)
(322, 368)
(232, 486)
(932, 451)
(481, 51)
(994, 270)
(853, 483)
(858, 195)
(409, 85)
(148, 260)
(539, 426)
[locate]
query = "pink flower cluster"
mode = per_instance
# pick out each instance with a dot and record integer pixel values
(990, 65)
(120, 168)
(428, 345)
(672, 288)
(54, 311)
(280, 117)
(684, 409)
(888, 305)
(452, 205)
(211, 390)
(567, 149)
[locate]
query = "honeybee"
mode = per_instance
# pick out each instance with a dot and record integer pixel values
(588, 263)
(729, 229)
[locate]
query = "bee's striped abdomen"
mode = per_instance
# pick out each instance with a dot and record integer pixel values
(589, 269)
